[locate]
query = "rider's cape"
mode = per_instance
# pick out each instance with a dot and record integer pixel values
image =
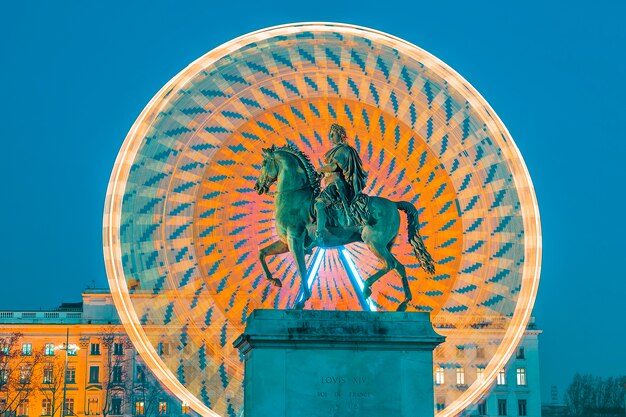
(347, 158)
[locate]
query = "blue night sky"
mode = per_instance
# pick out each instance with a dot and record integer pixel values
(75, 77)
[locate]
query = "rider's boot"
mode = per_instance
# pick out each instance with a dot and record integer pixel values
(318, 240)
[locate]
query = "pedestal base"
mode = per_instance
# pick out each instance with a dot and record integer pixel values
(338, 363)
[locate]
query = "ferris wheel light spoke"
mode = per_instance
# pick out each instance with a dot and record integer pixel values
(313, 270)
(355, 278)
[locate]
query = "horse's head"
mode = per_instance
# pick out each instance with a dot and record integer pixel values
(269, 171)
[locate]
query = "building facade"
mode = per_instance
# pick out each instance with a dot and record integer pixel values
(85, 341)
(106, 377)
(516, 391)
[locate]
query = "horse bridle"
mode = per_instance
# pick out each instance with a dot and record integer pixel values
(273, 159)
(269, 180)
(275, 166)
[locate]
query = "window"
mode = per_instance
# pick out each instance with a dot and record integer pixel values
(480, 353)
(4, 348)
(521, 408)
(440, 406)
(520, 353)
(184, 408)
(95, 349)
(92, 406)
(501, 379)
(49, 349)
(27, 349)
(46, 407)
(140, 408)
(164, 348)
(162, 407)
(141, 374)
(94, 374)
(72, 350)
(116, 374)
(521, 376)
(482, 408)
(502, 407)
(4, 376)
(48, 374)
(22, 408)
(69, 406)
(70, 375)
(439, 376)
(118, 349)
(460, 376)
(480, 373)
(116, 406)
(25, 372)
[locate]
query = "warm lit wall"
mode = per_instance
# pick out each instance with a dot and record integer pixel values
(83, 335)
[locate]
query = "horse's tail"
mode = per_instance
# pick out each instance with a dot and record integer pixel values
(415, 239)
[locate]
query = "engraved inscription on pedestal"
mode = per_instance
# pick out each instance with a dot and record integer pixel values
(342, 383)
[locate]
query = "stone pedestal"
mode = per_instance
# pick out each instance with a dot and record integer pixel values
(338, 363)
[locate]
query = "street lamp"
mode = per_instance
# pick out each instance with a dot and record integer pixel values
(66, 347)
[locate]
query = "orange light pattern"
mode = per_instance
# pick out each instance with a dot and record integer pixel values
(242, 220)
(183, 225)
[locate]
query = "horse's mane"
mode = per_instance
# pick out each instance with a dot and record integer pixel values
(311, 172)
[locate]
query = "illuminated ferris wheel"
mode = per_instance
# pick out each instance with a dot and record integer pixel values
(183, 225)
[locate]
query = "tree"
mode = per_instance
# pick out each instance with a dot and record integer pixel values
(19, 374)
(149, 390)
(115, 376)
(52, 384)
(593, 396)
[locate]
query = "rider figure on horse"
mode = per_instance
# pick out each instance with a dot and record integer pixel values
(375, 221)
(345, 179)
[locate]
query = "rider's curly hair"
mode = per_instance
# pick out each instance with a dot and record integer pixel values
(341, 131)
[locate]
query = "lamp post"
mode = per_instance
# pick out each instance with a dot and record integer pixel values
(66, 347)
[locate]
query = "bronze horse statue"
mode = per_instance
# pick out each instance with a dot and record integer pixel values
(297, 185)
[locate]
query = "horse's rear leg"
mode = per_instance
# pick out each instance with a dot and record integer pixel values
(275, 248)
(389, 263)
(405, 284)
(387, 259)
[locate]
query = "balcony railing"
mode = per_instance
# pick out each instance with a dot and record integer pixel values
(33, 317)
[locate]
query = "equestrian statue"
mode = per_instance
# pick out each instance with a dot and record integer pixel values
(307, 216)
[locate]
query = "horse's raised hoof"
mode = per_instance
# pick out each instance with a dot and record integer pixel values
(367, 291)
(402, 306)
(276, 282)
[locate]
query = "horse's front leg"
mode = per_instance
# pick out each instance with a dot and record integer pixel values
(296, 247)
(275, 248)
